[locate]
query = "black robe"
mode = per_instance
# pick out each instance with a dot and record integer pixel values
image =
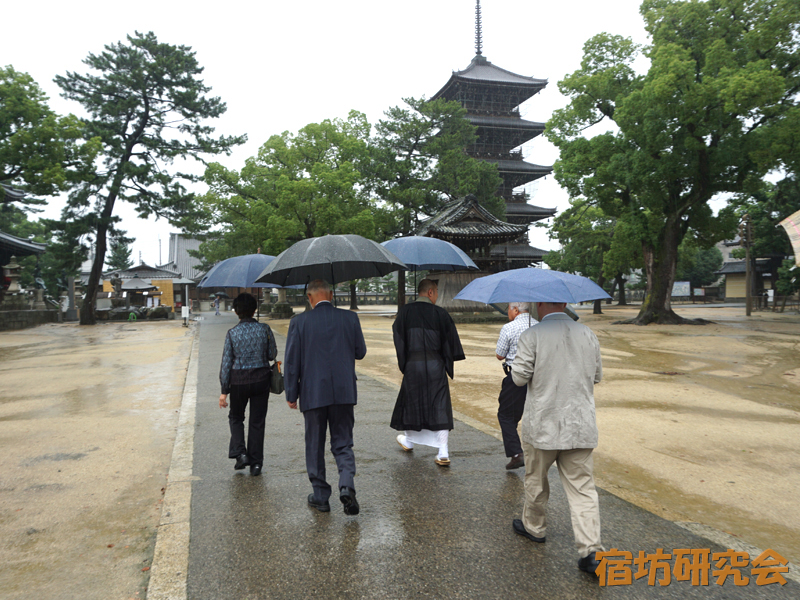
(427, 345)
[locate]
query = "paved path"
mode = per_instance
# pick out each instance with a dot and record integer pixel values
(423, 532)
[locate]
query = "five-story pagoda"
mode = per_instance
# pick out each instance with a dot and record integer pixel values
(492, 97)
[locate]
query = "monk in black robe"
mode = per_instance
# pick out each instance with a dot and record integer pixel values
(427, 345)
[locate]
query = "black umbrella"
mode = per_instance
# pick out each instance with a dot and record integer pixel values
(334, 258)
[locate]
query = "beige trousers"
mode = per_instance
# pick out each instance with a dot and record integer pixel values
(575, 468)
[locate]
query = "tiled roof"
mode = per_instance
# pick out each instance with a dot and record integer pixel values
(466, 217)
(11, 194)
(509, 122)
(520, 166)
(143, 271)
(18, 246)
(481, 71)
(739, 266)
(525, 209)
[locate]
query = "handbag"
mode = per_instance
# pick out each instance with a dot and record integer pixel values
(276, 381)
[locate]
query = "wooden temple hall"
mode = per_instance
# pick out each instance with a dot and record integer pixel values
(492, 97)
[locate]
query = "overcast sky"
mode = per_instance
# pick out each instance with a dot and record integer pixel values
(282, 65)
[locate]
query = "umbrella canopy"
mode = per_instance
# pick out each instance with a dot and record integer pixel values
(420, 252)
(532, 285)
(238, 272)
(334, 258)
(220, 295)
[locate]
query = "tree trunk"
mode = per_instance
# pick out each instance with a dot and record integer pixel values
(598, 309)
(87, 314)
(401, 289)
(611, 293)
(353, 299)
(660, 266)
(621, 284)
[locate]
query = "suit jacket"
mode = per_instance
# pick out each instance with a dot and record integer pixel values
(559, 360)
(319, 362)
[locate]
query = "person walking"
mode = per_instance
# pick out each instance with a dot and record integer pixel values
(427, 345)
(511, 401)
(245, 375)
(216, 306)
(559, 362)
(322, 346)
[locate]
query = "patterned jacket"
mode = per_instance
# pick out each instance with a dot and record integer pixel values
(245, 359)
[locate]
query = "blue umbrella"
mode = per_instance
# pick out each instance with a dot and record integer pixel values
(532, 285)
(426, 253)
(239, 271)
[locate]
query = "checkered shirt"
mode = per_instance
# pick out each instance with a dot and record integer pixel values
(509, 336)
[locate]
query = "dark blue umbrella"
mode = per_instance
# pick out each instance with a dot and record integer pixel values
(532, 285)
(426, 253)
(239, 271)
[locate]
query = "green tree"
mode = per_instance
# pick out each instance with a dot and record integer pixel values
(298, 186)
(788, 282)
(119, 257)
(716, 110)
(146, 104)
(697, 265)
(41, 153)
(766, 208)
(420, 162)
(591, 246)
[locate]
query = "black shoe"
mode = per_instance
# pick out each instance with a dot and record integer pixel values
(348, 497)
(516, 462)
(255, 469)
(320, 505)
(241, 462)
(589, 564)
(520, 529)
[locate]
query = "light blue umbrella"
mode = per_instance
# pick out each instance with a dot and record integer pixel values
(532, 285)
(239, 272)
(426, 253)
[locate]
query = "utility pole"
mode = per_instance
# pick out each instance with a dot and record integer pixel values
(745, 235)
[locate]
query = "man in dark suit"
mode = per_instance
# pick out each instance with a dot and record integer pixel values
(321, 349)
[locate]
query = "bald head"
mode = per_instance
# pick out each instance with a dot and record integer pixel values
(546, 308)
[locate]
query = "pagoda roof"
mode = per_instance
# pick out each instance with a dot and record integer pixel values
(481, 71)
(520, 166)
(517, 252)
(465, 217)
(504, 122)
(529, 210)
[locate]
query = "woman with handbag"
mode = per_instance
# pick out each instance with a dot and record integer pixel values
(245, 374)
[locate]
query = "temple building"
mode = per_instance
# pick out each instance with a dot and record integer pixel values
(492, 97)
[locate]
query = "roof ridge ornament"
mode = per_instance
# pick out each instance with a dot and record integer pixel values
(478, 33)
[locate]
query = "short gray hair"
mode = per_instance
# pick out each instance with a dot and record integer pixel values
(522, 307)
(317, 286)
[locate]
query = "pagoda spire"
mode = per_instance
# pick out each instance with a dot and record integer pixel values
(478, 33)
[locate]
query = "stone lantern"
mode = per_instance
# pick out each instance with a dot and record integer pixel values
(12, 271)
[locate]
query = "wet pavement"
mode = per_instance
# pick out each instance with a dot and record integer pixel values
(424, 531)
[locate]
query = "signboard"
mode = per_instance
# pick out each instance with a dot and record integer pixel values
(184, 312)
(699, 291)
(680, 288)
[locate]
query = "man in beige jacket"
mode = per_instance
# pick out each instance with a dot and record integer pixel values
(559, 361)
